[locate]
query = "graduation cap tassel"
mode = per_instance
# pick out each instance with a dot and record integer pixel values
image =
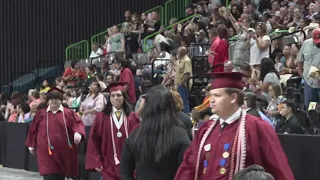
(116, 160)
(69, 143)
(50, 152)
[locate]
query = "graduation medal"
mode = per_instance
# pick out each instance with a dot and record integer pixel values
(223, 170)
(225, 155)
(119, 134)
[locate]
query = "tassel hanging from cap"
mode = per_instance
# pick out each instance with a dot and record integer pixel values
(50, 152)
(116, 160)
(69, 143)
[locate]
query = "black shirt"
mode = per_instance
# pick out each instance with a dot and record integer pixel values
(291, 126)
(131, 160)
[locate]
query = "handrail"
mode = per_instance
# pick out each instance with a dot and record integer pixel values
(166, 11)
(282, 31)
(160, 12)
(86, 49)
(101, 33)
(93, 38)
(168, 27)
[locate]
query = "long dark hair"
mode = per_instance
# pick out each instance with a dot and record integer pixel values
(127, 107)
(154, 138)
(267, 66)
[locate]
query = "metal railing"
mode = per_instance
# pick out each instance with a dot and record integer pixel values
(175, 8)
(79, 50)
(286, 37)
(100, 37)
(159, 10)
(145, 46)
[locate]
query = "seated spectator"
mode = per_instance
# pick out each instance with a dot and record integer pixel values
(12, 113)
(68, 97)
(250, 103)
(35, 99)
(276, 99)
(45, 86)
(96, 52)
(254, 172)
(99, 79)
(144, 87)
(290, 124)
(74, 74)
(168, 79)
(268, 75)
(23, 110)
(110, 78)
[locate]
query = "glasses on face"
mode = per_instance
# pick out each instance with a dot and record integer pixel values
(115, 95)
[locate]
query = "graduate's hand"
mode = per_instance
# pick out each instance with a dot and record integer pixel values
(32, 151)
(99, 169)
(77, 138)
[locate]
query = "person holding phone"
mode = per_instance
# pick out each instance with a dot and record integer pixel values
(259, 43)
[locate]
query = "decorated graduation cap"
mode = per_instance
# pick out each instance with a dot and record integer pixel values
(55, 93)
(115, 86)
(227, 80)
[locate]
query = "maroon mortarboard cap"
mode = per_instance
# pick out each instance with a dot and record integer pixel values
(55, 89)
(227, 80)
(115, 86)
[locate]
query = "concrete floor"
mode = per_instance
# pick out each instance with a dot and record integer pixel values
(17, 174)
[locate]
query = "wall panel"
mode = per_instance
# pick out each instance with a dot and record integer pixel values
(39, 30)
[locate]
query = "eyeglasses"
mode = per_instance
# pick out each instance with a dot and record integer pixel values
(116, 95)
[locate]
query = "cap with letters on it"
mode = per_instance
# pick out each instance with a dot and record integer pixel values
(115, 86)
(55, 93)
(227, 80)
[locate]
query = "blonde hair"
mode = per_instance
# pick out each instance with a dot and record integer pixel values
(177, 100)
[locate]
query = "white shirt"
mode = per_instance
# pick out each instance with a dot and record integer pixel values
(96, 54)
(229, 120)
(256, 55)
(54, 112)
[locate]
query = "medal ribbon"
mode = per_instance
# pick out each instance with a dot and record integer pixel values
(115, 156)
(226, 147)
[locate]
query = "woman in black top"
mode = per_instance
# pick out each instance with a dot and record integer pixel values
(155, 150)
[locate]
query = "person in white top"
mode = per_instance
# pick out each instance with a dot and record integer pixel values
(95, 53)
(259, 43)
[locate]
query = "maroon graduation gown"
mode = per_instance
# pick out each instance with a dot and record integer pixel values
(100, 149)
(263, 148)
(64, 160)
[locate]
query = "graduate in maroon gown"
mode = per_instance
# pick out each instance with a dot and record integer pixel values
(108, 133)
(53, 137)
(235, 140)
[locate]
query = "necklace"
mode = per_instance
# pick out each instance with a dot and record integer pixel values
(115, 155)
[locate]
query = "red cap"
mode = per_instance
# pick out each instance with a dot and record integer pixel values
(227, 80)
(55, 89)
(316, 35)
(115, 86)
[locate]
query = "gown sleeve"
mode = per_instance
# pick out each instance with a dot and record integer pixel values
(78, 125)
(127, 165)
(93, 156)
(273, 158)
(31, 140)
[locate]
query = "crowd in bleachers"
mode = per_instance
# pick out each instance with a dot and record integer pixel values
(240, 37)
